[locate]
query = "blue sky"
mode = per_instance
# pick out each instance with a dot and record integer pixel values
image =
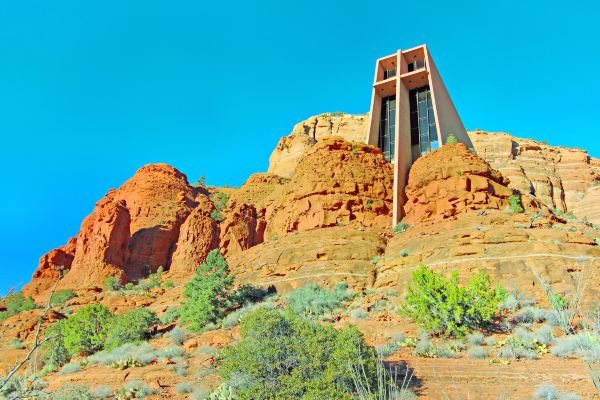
(92, 90)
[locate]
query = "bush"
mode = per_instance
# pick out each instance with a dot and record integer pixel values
(206, 294)
(281, 355)
(426, 348)
(130, 327)
(234, 318)
(137, 389)
(178, 336)
(477, 353)
(111, 284)
(314, 301)
(515, 204)
(220, 202)
(16, 303)
(71, 392)
(548, 392)
(70, 368)
(184, 387)
(400, 227)
(443, 306)
(142, 354)
(451, 139)
(475, 338)
(585, 345)
(170, 316)
(101, 392)
(93, 328)
(85, 331)
(61, 297)
(530, 315)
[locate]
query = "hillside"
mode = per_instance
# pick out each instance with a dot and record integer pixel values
(320, 215)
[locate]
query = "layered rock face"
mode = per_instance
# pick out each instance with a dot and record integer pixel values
(323, 256)
(558, 176)
(335, 182)
(290, 149)
(51, 265)
(132, 231)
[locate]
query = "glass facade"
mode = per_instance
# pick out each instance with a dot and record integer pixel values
(389, 73)
(387, 127)
(423, 131)
(417, 64)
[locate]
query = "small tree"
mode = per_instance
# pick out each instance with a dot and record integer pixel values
(443, 306)
(129, 327)
(451, 139)
(282, 356)
(515, 204)
(84, 331)
(206, 294)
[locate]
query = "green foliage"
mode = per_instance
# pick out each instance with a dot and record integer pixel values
(111, 284)
(404, 253)
(170, 316)
(220, 202)
(71, 392)
(401, 227)
(85, 331)
(93, 328)
(282, 356)
(313, 301)
(16, 303)
(223, 392)
(201, 182)
(206, 294)
(168, 284)
(130, 327)
(515, 204)
(61, 297)
(451, 139)
(443, 306)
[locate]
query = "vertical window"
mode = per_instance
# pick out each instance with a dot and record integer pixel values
(389, 73)
(423, 131)
(387, 127)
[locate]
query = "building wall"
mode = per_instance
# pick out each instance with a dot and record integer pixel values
(447, 118)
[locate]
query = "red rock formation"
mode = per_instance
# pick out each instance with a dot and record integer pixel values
(49, 267)
(335, 182)
(101, 248)
(241, 229)
(159, 199)
(197, 237)
(558, 176)
(450, 181)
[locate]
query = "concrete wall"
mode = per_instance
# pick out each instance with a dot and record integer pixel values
(447, 118)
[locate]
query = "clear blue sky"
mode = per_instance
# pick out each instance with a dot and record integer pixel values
(92, 90)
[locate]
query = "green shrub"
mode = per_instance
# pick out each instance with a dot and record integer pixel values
(142, 354)
(313, 301)
(85, 331)
(168, 284)
(515, 204)
(206, 294)
(130, 327)
(71, 392)
(171, 315)
(477, 353)
(282, 356)
(70, 368)
(16, 303)
(220, 202)
(443, 306)
(451, 139)
(111, 284)
(400, 227)
(404, 253)
(61, 297)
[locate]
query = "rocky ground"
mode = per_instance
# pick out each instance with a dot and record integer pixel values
(321, 215)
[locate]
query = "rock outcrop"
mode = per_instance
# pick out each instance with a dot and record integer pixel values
(451, 181)
(102, 246)
(51, 265)
(241, 229)
(335, 182)
(323, 256)
(291, 148)
(198, 235)
(557, 176)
